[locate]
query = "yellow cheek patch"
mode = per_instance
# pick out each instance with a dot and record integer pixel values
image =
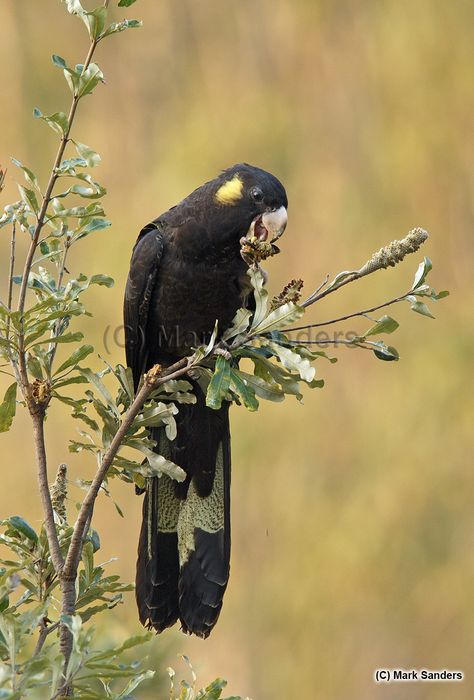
(230, 192)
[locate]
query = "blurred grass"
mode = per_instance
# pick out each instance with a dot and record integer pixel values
(351, 515)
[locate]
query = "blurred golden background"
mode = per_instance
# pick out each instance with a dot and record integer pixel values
(352, 527)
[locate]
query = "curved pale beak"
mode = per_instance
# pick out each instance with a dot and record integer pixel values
(275, 223)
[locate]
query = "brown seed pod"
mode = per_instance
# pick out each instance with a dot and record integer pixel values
(253, 250)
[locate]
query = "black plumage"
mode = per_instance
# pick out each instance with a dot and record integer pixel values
(187, 272)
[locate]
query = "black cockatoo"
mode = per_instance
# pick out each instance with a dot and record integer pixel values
(186, 273)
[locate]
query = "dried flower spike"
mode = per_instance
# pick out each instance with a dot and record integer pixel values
(394, 252)
(291, 293)
(58, 491)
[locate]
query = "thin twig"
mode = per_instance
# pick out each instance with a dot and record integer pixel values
(44, 632)
(41, 221)
(388, 256)
(308, 301)
(87, 525)
(40, 454)
(62, 267)
(11, 271)
(321, 341)
(57, 326)
(351, 277)
(345, 318)
(364, 344)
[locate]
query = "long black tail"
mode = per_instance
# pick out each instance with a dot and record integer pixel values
(184, 546)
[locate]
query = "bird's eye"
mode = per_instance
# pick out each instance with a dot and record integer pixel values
(256, 194)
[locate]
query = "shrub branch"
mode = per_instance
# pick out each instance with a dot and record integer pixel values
(388, 256)
(154, 378)
(364, 312)
(37, 418)
(40, 223)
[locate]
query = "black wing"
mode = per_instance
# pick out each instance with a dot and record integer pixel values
(141, 280)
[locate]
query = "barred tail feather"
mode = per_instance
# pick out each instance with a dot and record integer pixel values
(184, 546)
(204, 550)
(156, 586)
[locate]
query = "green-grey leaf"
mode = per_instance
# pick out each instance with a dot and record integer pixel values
(125, 377)
(8, 408)
(386, 324)
(57, 121)
(29, 174)
(440, 295)
(387, 353)
(244, 391)
(269, 370)
(134, 683)
(260, 387)
(102, 280)
(126, 3)
(98, 190)
(155, 415)
(94, 209)
(66, 338)
(214, 690)
(94, 191)
(240, 324)
(89, 79)
(96, 21)
(90, 422)
(58, 61)
(76, 357)
(423, 269)
(171, 386)
(204, 350)
(29, 197)
(72, 78)
(34, 366)
(305, 351)
(93, 610)
(261, 295)
(339, 278)
(292, 361)
(121, 26)
(68, 166)
(20, 525)
(95, 539)
(74, 7)
(128, 644)
(279, 318)
(90, 156)
(421, 308)
(157, 463)
(91, 226)
(97, 382)
(75, 379)
(219, 385)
